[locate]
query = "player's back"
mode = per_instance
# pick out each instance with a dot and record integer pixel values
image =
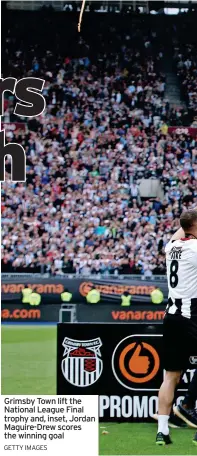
(181, 261)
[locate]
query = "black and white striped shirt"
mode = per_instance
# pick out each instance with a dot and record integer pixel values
(181, 261)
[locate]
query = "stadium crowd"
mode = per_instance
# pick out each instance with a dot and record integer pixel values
(186, 61)
(104, 128)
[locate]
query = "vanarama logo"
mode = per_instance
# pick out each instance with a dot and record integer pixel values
(47, 288)
(136, 315)
(115, 289)
(136, 362)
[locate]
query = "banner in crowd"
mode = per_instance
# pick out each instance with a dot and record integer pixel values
(14, 126)
(192, 131)
(110, 288)
(123, 367)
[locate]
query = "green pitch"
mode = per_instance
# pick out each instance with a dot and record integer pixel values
(139, 439)
(28, 359)
(29, 367)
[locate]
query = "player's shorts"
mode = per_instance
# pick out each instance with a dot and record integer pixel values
(179, 342)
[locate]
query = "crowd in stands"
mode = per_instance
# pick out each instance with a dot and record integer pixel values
(104, 128)
(185, 58)
(186, 62)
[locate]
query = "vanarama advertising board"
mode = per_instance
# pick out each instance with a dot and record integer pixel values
(111, 289)
(17, 312)
(117, 314)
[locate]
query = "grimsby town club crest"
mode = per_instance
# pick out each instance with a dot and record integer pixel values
(82, 364)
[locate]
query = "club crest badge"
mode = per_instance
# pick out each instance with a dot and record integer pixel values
(82, 364)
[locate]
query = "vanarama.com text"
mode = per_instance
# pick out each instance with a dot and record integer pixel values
(31, 314)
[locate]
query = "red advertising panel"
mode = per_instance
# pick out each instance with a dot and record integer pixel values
(13, 126)
(192, 131)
